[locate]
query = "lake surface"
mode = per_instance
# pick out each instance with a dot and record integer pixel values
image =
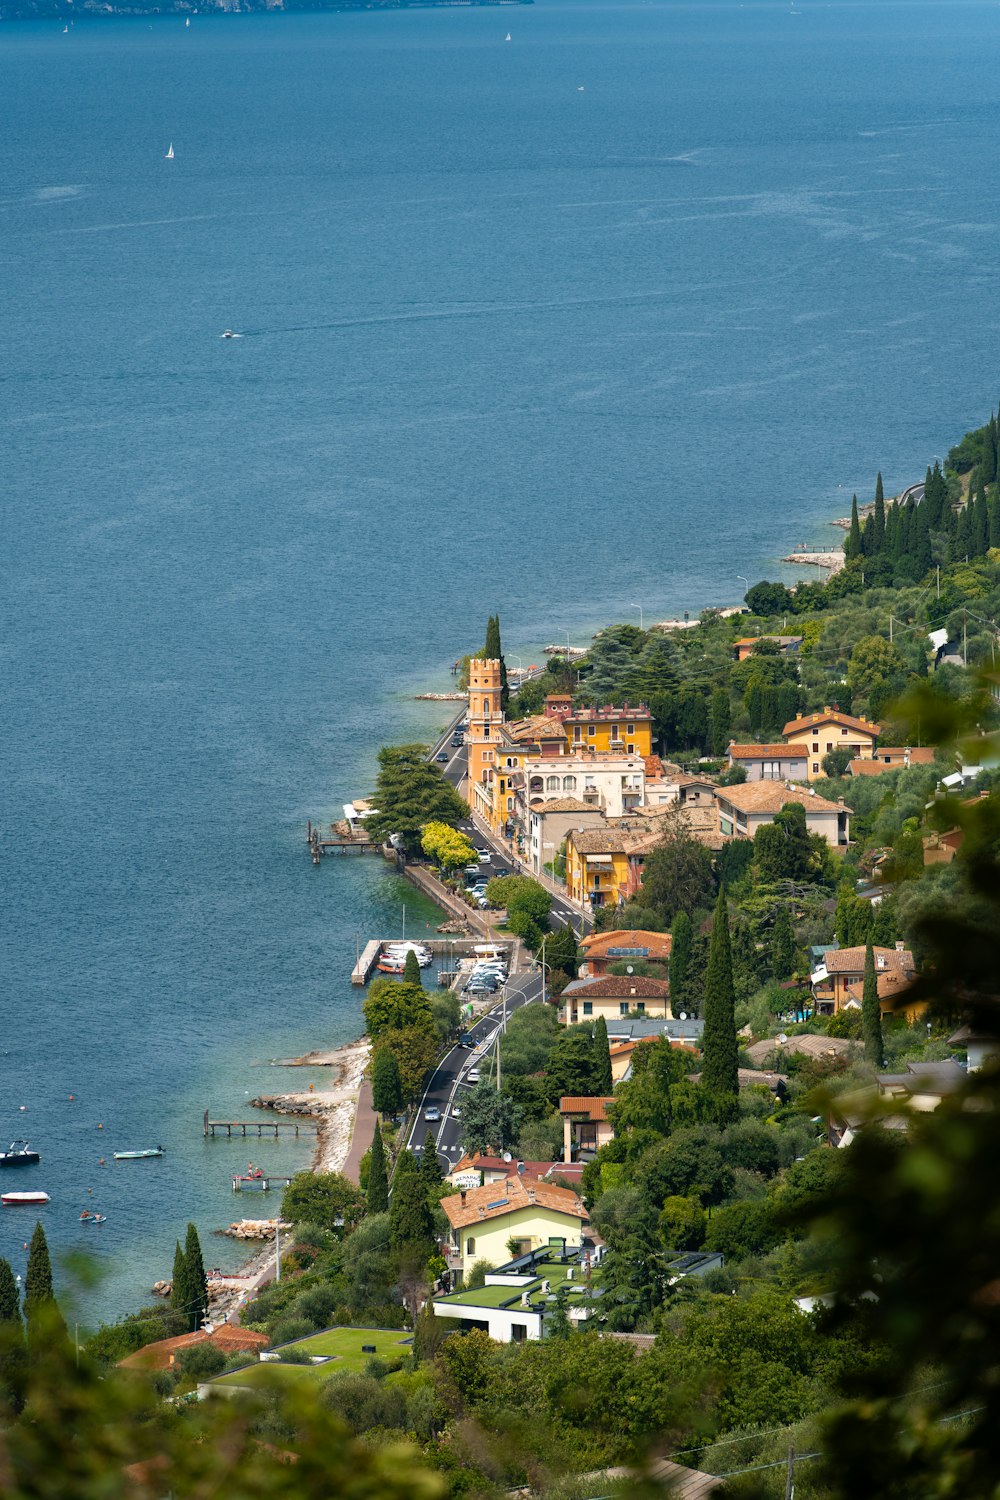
(600, 318)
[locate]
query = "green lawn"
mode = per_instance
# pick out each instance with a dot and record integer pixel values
(344, 1345)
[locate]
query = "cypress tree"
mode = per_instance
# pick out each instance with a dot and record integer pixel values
(852, 547)
(411, 969)
(753, 700)
(871, 1015)
(11, 1343)
(962, 547)
(410, 1222)
(602, 1059)
(982, 531)
(197, 1281)
(180, 1292)
(493, 651)
(377, 1197)
(868, 537)
(680, 964)
(719, 722)
(430, 1167)
(878, 518)
(783, 944)
(719, 1049)
(40, 1307)
(387, 1090)
(994, 521)
(988, 463)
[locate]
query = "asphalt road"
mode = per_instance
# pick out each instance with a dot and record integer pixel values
(450, 1080)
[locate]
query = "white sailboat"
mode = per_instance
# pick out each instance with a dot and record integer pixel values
(507, 37)
(187, 22)
(170, 152)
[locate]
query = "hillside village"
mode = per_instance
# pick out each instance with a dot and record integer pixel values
(681, 1238)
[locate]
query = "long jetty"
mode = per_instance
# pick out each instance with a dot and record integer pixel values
(247, 1127)
(334, 843)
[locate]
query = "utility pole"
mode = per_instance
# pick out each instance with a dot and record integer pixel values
(277, 1250)
(790, 1475)
(890, 630)
(965, 638)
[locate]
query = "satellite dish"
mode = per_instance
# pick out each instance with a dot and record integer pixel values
(683, 1016)
(782, 1038)
(506, 1156)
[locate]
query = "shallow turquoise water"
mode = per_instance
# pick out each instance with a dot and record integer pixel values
(506, 345)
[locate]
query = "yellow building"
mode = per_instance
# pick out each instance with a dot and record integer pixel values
(534, 1214)
(608, 731)
(597, 865)
(484, 732)
(818, 734)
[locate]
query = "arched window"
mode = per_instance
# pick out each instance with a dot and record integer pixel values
(552, 783)
(536, 784)
(510, 804)
(486, 705)
(569, 783)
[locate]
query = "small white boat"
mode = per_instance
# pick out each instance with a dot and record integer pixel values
(137, 1155)
(187, 23)
(228, 333)
(507, 37)
(170, 152)
(579, 88)
(14, 1200)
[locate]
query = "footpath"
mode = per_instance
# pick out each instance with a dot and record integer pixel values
(365, 1120)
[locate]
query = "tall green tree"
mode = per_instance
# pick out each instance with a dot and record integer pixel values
(12, 1362)
(411, 969)
(491, 1121)
(783, 944)
(181, 1296)
(719, 722)
(411, 792)
(387, 1093)
(602, 1059)
(197, 1308)
(878, 517)
(493, 651)
(720, 1054)
(871, 1015)
(411, 1226)
(377, 1196)
(430, 1166)
(41, 1310)
(852, 547)
(680, 965)
(678, 873)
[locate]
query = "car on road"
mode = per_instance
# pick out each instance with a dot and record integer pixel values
(481, 987)
(473, 1075)
(458, 739)
(485, 857)
(442, 756)
(456, 1113)
(465, 1040)
(432, 1114)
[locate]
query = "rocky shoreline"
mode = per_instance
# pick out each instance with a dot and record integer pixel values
(333, 1109)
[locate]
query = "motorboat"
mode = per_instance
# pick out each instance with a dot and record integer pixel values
(19, 1154)
(227, 333)
(137, 1155)
(15, 1200)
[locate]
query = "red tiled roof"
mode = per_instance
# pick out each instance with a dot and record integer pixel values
(618, 987)
(830, 716)
(581, 1104)
(767, 752)
(498, 1199)
(658, 944)
(852, 960)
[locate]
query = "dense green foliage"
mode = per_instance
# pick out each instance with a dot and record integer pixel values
(411, 792)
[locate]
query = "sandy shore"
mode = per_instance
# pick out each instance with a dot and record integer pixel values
(332, 1108)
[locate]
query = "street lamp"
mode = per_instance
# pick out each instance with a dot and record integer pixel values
(639, 608)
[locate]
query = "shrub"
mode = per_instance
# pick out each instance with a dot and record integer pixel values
(202, 1361)
(288, 1329)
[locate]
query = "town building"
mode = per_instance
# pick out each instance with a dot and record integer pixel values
(788, 645)
(613, 785)
(586, 1127)
(515, 1300)
(597, 866)
(479, 1170)
(679, 1033)
(770, 762)
(745, 808)
(534, 1214)
(549, 825)
(892, 758)
(980, 1047)
(838, 979)
(821, 733)
(614, 996)
(602, 949)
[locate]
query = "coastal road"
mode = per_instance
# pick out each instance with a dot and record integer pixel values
(450, 1081)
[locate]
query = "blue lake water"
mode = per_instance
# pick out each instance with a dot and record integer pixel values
(506, 345)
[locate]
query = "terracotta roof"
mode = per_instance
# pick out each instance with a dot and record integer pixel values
(566, 804)
(538, 727)
(782, 640)
(654, 765)
(608, 714)
(619, 987)
(922, 756)
(479, 1163)
(657, 944)
(852, 960)
(772, 796)
(830, 716)
(767, 752)
(227, 1338)
(599, 840)
(807, 1046)
(595, 1108)
(500, 1198)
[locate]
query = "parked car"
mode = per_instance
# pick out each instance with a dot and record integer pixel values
(473, 1075)
(432, 1114)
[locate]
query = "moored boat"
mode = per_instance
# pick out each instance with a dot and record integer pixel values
(19, 1154)
(13, 1200)
(137, 1155)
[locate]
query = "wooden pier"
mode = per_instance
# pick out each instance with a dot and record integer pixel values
(248, 1127)
(333, 842)
(249, 1183)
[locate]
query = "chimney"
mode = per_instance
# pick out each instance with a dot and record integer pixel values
(900, 947)
(632, 990)
(463, 1197)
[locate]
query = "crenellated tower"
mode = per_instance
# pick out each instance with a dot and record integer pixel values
(485, 718)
